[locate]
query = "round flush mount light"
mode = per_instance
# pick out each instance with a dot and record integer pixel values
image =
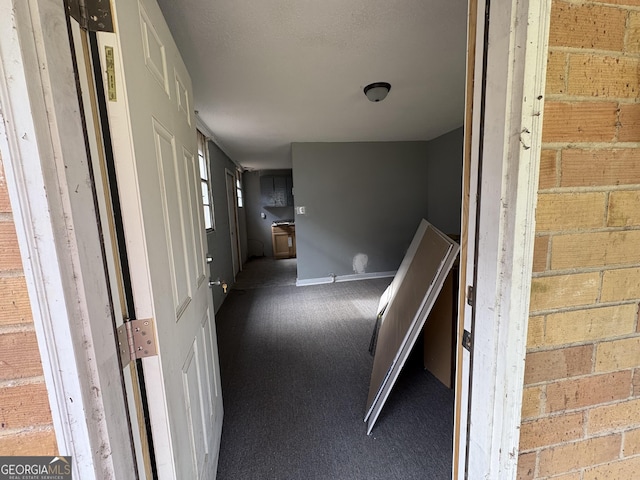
(376, 92)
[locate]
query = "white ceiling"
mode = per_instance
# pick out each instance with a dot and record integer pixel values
(270, 72)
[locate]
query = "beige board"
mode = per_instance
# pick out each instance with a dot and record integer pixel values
(438, 333)
(415, 288)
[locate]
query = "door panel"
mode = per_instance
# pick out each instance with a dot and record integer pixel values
(175, 231)
(154, 135)
(192, 377)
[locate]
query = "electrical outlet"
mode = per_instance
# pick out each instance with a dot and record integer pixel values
(301, 210)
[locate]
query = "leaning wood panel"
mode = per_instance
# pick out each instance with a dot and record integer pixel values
(407, 311)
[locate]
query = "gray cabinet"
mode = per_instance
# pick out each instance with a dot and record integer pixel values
(276, 190)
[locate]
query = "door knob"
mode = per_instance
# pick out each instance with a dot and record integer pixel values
(220, 283)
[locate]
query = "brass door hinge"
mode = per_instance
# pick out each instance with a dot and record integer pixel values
(466, 340)
(92, 15)
(136, 339)
(471, 298)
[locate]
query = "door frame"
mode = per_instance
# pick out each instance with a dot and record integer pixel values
(503, 155)
(42, 135)
(42, 142)
(233, 209)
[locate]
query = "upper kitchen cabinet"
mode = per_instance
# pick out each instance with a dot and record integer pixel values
(276, 190)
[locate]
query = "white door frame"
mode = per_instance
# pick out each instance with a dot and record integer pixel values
(232, 209)
(46, 165)
(41, 134)
(509, 91)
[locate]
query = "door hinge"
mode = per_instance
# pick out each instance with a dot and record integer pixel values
(136, 339)
(92, 15)
(466, 340)
(470, 295)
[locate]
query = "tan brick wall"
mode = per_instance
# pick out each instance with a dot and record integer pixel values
(25, 417)
(581, 403)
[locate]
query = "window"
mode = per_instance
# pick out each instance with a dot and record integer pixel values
(239, 189)
(205, 183)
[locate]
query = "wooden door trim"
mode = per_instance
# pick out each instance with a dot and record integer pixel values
(464, 232)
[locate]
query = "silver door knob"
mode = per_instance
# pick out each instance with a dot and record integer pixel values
(220, 283)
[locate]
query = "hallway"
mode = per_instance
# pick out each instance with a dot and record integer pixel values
(295, 371)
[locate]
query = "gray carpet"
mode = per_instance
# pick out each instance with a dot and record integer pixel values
(266, 272)
(295, 375)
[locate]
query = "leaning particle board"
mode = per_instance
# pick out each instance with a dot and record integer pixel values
(423, 273)
(439, 332)
(398, 278)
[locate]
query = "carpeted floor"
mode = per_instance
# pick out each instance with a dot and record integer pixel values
(295, 375)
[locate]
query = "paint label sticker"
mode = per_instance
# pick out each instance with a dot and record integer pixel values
(111, 74)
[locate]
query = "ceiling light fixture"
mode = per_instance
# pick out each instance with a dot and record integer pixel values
(376, 92)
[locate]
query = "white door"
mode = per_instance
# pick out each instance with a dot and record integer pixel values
(150, 107)
(233, 220)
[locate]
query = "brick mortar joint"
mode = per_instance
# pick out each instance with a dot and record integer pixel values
(581, 377)
(594, 146)
(586, 410)
(595, 189)
(607, 229)
(12, 432)
(594, 3)
(579, 308)
(578, 231)
(22, 382)
(17, 328)
(582, 270)
(11, 273)
(552, 446)
(582, 99)
(600, 52)
(552, 348)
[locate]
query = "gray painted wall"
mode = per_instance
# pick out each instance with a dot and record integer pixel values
(444, 181)
(219, 240)
(258, 228)
(368, 198)
(360, 198)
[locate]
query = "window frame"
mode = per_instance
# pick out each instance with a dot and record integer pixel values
(239, 189)
(203, 158)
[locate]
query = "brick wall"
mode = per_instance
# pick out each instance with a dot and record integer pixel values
(581, 405)
(25, 418)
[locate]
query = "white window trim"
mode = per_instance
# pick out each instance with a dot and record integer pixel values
(207, 164)
(239, 189)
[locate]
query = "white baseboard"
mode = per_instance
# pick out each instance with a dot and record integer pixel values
(343, 278)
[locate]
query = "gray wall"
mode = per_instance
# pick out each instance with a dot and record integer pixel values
(444, 180)
(360, 198)
(368, 198)
(219, 240)
(258, 228)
